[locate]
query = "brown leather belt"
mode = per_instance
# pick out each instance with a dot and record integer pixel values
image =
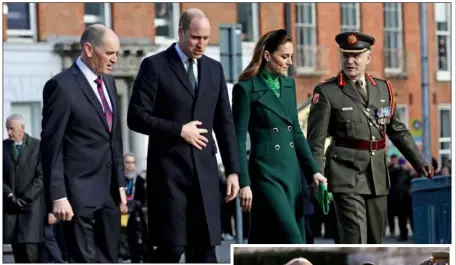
(361, 144)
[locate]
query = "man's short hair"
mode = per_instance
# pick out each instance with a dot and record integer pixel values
(93, 34)
(187, 16)
(15, 117)
(129, 154)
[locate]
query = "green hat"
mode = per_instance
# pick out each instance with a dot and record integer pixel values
(323, 197)
(354, 42)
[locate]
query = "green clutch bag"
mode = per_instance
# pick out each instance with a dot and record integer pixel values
(323, 197)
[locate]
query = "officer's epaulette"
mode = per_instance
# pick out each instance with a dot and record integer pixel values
(329, 80)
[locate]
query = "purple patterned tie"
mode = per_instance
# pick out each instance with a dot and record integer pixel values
(104, 102)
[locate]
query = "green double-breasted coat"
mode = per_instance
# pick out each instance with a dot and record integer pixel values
(273, 168)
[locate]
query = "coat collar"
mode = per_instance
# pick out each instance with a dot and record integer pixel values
(271, 101)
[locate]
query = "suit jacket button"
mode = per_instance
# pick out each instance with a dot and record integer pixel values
(108, 164)
(275, 130)
(277, 147)
(289, 128)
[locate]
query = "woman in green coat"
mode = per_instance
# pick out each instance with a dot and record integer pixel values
(264, 105)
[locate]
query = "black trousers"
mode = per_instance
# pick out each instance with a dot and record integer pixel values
(26, 252)
(93, 235)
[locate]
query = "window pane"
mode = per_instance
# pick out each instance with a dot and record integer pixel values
(445, 123)
(18, 16)
(443, 52)
(445, 145)
(94, 9)
(244, 13)
(164, 19)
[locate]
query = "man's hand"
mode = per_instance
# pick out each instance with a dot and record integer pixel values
(123, 201)
(245, 195)
(62, 210)
(51, 219)
(232, 187)
(426, 170)
(192, 134)
(18, 202)
(319, 178)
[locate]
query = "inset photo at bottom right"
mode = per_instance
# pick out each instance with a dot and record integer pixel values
(340, 255)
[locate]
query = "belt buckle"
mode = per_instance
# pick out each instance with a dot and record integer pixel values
(371, 146)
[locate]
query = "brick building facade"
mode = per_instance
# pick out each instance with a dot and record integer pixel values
(396, 54)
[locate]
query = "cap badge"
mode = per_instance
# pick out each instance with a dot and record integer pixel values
(352, 39)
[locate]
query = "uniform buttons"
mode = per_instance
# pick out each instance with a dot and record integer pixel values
(289, 128)
(373, 137)
(372, 153)
(292, 144)
(370, 124)
(368, 109)
(275, 130)
(277, 147)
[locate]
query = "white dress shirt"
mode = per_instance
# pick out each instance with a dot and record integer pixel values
(184, 59)
(91, 77)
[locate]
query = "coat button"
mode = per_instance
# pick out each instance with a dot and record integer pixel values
(373, 137)
(289, 128)
(108, 164)
(370, 124)
(275, 130)
(277, 147)
(372, 153)
(368, 109)
(292, 144)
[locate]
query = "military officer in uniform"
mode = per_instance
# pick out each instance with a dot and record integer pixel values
(358, 110)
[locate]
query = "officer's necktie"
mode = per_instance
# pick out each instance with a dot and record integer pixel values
(362, 92)
(107, 110)
(191, 74)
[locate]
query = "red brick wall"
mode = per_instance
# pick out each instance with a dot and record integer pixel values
(271, 17)
(133, 19)
(59, 19)
(218, 13)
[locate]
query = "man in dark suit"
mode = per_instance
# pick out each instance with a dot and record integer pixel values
(82, 151)
(23, 195)
(175, 92)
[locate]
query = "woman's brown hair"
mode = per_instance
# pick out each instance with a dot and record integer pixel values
(268, 42)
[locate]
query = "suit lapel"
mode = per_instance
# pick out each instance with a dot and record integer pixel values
(179, 70)
(204, 74)
(26, 149)
(269, 100)
(372, 92)
(89, 93)
(350, 90)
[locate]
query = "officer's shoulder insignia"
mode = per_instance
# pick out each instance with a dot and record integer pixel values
(329, 80)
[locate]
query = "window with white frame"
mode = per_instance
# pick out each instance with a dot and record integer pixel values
(444, 133)
(349, 17)
(443, 31)
(31, 111)
(166, 21)
(402, 112)
(247, 16)
(21, 19)
(394, 52)
(306, 37)
(97, 13)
